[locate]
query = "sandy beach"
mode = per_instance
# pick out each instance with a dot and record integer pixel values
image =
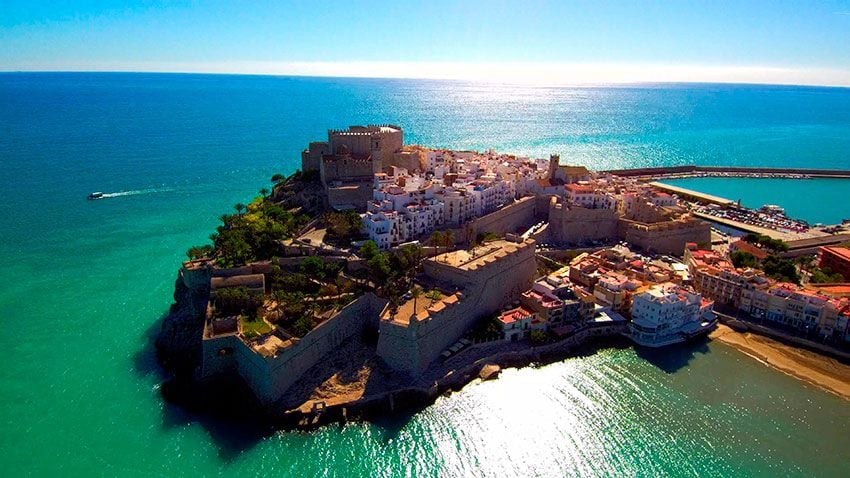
(823, 372)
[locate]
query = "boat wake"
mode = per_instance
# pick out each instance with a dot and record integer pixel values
(136, 192)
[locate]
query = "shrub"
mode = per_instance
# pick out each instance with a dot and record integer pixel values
(743, 259)
(369, 249)
(198, 252)
(538, 337)
(237, 300)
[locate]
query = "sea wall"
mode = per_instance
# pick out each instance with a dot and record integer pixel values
(270, 377)
(694, 169)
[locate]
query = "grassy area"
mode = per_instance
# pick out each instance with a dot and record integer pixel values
(253, 327)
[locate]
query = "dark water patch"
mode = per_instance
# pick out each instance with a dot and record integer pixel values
(673, 358)
(225, 407)
(145, 360)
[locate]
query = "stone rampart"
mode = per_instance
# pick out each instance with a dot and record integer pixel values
(667, 237)
(413, 345)
(355, 194)
(270, 377)
(571, 224)
(511, 218)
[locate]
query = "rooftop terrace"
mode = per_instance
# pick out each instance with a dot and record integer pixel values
(421, 308)
(467, 261)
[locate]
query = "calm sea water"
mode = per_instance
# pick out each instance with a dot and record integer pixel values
(815, 200)
(84, 283)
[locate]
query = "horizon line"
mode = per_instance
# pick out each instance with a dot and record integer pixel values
(458, 80)
(525, 74)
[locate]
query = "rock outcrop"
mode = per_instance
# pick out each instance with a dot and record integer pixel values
(179, 341)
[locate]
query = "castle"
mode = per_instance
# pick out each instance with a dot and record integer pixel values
(348, 161)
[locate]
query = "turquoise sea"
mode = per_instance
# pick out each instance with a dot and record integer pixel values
(84, 283)
(824, 201)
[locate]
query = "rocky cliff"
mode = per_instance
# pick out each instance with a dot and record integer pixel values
(179, 341)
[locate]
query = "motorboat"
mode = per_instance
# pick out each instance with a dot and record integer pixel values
(96, 195)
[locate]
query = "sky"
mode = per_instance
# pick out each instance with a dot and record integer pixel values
(531, 41)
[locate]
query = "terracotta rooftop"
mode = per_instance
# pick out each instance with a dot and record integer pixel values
(513, 315)
(842, 252)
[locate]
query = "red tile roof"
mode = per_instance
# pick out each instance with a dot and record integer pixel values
(514, 315)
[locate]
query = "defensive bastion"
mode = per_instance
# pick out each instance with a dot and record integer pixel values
(495, 275)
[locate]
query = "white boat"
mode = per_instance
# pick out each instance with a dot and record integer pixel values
(773, 209)
(96, 195)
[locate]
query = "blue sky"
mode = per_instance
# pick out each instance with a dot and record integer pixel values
(776, 41)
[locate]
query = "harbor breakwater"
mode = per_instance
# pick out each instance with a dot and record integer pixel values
(696, 171)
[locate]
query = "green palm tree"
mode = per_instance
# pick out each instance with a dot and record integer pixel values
(449, 238)
(436, 240)
(415, 292)
(239, 208)
(264, 192)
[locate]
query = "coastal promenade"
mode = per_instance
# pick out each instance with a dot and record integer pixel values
(688, 171)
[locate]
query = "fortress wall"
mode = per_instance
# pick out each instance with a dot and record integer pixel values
(389, 143)
(311, 158)
(356, 143)
(410, 160)
(356, 195)
(233, 271)
(664, 238)
(447, 274)
(497, 288)
(270, 377)
(646, 213)
(228, 354)
(196, 278)
(576, 224)
(398, 346)
(519, 215)
(541, 206)
(343, 169)
(294, 262)
(413, 347)
(288, 366)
